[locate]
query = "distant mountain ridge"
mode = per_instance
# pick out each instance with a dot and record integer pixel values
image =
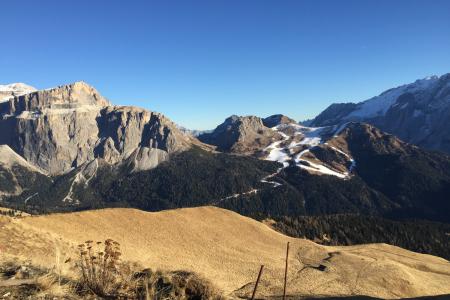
(390, 178)
(285, 141)
(355, 169)
(418, 113)
(14, 89)
(70, 149)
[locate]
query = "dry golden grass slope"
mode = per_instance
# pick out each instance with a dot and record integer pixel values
(228, 249)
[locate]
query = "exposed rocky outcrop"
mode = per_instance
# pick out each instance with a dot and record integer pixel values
(62, 128)
(365, 138)
(244, 135)
(278, 119)
(418, 113)
(146, 158)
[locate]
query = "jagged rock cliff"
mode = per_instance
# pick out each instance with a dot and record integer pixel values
(62, 128)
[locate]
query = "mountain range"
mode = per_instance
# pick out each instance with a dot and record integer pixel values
(418, 113)
(69, 149)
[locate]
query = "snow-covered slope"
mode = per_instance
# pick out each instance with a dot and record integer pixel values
(14, 89)
(295, 149)
(418, 113)
(379, 105)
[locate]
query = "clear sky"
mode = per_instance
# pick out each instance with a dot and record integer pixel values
(201, 61)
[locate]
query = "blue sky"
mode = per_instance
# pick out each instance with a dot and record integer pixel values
(201, 61)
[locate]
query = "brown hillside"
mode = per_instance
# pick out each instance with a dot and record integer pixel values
(228, 248)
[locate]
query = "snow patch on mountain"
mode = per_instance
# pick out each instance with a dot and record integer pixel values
(313, 167)
(8, 91)
(278, 153)
(379, 105)
(286, 152)
(352, 161)
(274, 183)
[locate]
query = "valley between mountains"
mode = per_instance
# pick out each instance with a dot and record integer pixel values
(356, 174)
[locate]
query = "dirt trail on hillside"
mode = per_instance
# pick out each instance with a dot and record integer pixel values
(228, 249)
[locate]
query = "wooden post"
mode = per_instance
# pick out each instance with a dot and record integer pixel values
(257, 281)
(285, 271)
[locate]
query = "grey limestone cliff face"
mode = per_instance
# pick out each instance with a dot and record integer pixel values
(63, 128)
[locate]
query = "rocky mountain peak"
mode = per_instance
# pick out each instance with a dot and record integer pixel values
(79, 92)
(365, 138)
(65, 127)
(277, 119)
(70, 96)
(59, 100)
(244, 122)
(240, 134)
(232, 119)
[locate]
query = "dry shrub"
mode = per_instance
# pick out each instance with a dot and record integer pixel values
(177, 285)
(100, 267)
(103, 274)
(199, 288)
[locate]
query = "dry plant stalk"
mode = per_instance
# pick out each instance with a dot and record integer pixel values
(100, 268)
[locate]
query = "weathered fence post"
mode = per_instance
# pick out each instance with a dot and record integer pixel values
(285, 272)
(257, 282)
